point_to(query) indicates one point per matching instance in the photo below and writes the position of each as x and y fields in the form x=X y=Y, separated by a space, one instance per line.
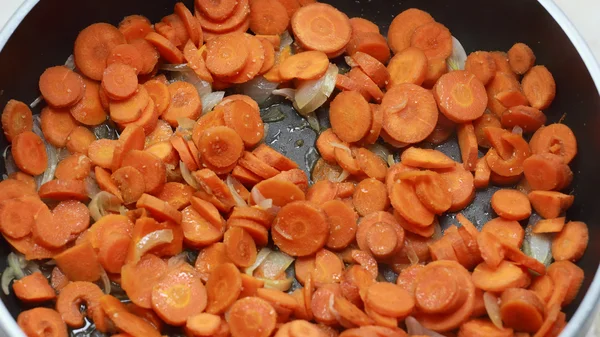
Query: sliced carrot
x=349 y=314
x=126 y=54
x=511 y=204
x=38 y=321
x=304 y=66
x=300 y=222
x=380 y=234
x=16 y=118
x=407 y=66
x=268 y=17
x=189 y=21
x=106 y=183
x=92 y=47
x=257 y=166
x=425 y=158
x=137 y=279
x=217 y=11
x=159 y=92
x=320 y=301
x=321 y=192
x=245 y=120
x=240 y=247
x=24 y=178
x=323 y=144
x=165 y=152
x=501 y=82
x=132 y=138
x=521 y=310
x=130 y=182
x=69 y=91
x=549 y=225
x=502 y=64
x=508 y=231
x=220 y=147
x=372 y=67
x=233 y=21
x=575 y=280
x=434 y=39
x=361 y=25
x=528 y=118
x=63 y=190
x=491 y=249
x=252 y=316
x=366 y=86
x=79 y=140
x=148 y=119
x=331 y=37
x=370 y=196
x=371 y=43
x=521 y=58
x=159 y=209
x=403 y=27
x=513 y=166
x=571 y=242
x=151 y=167
x=29 y=153
x=226 y=55
x=460 y=185
x=176 y=194
x=409 y=120
x=165 y=47
x=481 y=123
x=119 y=81
x=507 y=275
x=135 y=27
x=203 y=324
x=33 y=288
x=389 y=299
x=328 y=268
x=150 y=54
x=547 y=171
x=483 y=327
x=79 y=263
x=460 y=96
x=539 y=87
x=57 y=124
x=185 y=103
x=130 y=109
x=482 y=65
x=550 y=204
x=557 y=139
x=210 y=258
x=435 y=69
x=511 y=98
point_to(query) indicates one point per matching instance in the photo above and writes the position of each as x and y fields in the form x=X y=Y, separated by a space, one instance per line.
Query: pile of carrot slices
x=361 y=237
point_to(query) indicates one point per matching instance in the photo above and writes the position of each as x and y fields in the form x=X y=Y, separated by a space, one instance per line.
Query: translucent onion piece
x=350 y=61
x=286 y=40
x=70 y=62
x=493 y=308
x=106 y=286
x=517 y=130
x=265 y=133
x=340 y=146
x=236 y=196
x=260 y=257
x=282 y=285
x=313 y=121
x=380 y=150
x=174 y=67
x=390 y=160
x=187 y=176
x=437 y=230
x=185 y=123
x=287 y=93
x=150 y=241
x=9 y=163
x=91 y=186
x=457 y=59
x=8 y=275
x=343 y=176
x=209 y=101
x=275 y=264
x=203 y=87
x=538 y=246
x=262 y=202
x=311 y=94
x=63 y=152
x=51 y=169
x=102 y=204
x=411 y=254
x=36 y=102
x=17 y=262
x=413 y=327
x=259 y=89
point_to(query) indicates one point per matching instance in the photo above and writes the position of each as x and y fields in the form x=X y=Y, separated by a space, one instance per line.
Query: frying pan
x=41 y=35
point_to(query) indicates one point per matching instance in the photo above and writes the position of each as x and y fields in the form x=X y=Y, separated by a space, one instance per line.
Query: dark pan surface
x=45 y=38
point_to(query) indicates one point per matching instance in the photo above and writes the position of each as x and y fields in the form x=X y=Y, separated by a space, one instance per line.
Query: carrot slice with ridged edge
x=321 y=27
x=92 y=47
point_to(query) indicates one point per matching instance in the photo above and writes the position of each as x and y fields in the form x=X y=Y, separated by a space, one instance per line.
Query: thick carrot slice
x=92 y=47
x=257 y=166
x=435 y=69
x=483 y=122
x=159 y=92
x=159 y=209
x=437 y=291
x=29 y=153
x=433 y=192
x=185 y=103
x=389 y=299
x=240 y=247
x=467 y=141
x=216 y=10
x=137 y=279
x=408 y=66
x=376 y=224
x=273 y=158
x=135 y=27
x=500 y=83
x=528 y=118
x=57 y=124
x=245 y=120
x=24 y=178
x=371 y=164
x=119 y=81
x=79 y=140
x=220 y=147
x=372 y=67
x=268 y=17
x=252 y=317
x=507 y=275
x=300 y=228
x=376 y=124
x=151 y=167
x=126 y=54
x=370 y=196
x=130 y=182
x=236 y=18
x=17 y=216
x=547 y=171
x=403 y=26
x=460 y=96
x=332 y=36
x=350 y=116
x=132 y=138
x=361 y=25
x=371 y=43
x=511 y=204
x=63 y=190
x=61 y=87
x=226 y=55
x=179 y=295
x=165 y=47
x=16 y=118
x=189 y=21
x=342 y=223
x=539 y=87
x=323 y=144
x=490 y=248
x=320 y=300
x=148 y=119
x=105 y=182
x=571 y=242
x=38 y=321
x=482 y=65
x=203 y=324
x=165 y=152
x=176 y=194
x=513 y=166
x=426 y=158
x=367 y=87
x=321 y=192
x=409 y=120
x=508 y=231
x=149 y=53
x=434 y=39
x=460 y=185
x=130 y=109
x=550 y=204
x=521 y=310
x=483 y=327
x=557 y=139
x=511 y=98
x=33 y=288
x=575 y=280
x=549 y=225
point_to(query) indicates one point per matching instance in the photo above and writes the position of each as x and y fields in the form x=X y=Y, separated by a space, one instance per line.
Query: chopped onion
x=187 y=176
x=390 y=160
x=437 y=230
x=411 y=254
x=458 y=58
x=275 y=264
x=380 y=150
x=259 y=89
x=286 y=40
x=517 y=130
x=36 y=102
x=9 y=162
x=493 y=308
x=287 y=93
x=261 y=202
x=311 y=94
x=313 y=121
x=341 y=146
x=70 y=62
x=103 y=203
x=17 y=262
x=343 y=176
x=51 y=169
x=209 y=101
x=174 y=67
x=8 y=275
x=177 y=260
x=350 y=61
x=91 y=186
x=185 y=123
x=260 y=257
x=281 y=285
x=150 y=241
x=236 y=196
x=538 y=246
x=106 y=287
x=413 y=327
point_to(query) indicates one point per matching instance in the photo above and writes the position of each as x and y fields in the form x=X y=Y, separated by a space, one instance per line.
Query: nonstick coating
x=46 y=35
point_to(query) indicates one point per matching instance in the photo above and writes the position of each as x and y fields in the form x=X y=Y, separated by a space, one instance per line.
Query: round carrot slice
x=403 y=27
x=557 y=139
x=226 y=55
x=508 y=231
x=130 y=109
x=185 y=103
x=433 y=193
x=119 y=81
x=251 y=317
x=409 y=113
x=483 y=327
x=135 y=27
x=40 y=320
x=216 y=10
x=179 y=294
x=408 y=66
x=522 y=310
x=434 y=39
x=461 y=185
x=371 y=164
x=373 y=219
x=571 y=242
x=460 y=96
x=89 y=109
x=405 y=200
x=281 y=192
x=223 y=288
x=437 y=290
x=371 y=43
x=220 y=146
x=511 y=204
x=245 y=120
x=16 y=118
x=236 y=19
x=130 y=182
x=93 y=46
x=255 y=61
x=342 y=224
x=370 y=196
x=29 y=153
x=192 y=25
x=61 y=87
x=126 y=54
x=17 y=216
x=307 y=65
x=240 y=247
x=322 y=27
x=300 y=228
x=350 y=116
x=268 y=17
x=149 y=53
x=482 y=65
x=507 y=275
x=389 y=299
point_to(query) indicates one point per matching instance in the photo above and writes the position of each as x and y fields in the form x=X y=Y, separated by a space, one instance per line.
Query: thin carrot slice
x=185 y=103
x=92 y=47
x=371 y=43
x=216 y=11
x=467 y=141
x=166 y=49
x=252 y=317
x=17 y=216
x=460 y=96
x=57 y=124
x=245 y=120
x=481 y=123
x=434 y=39
x=329 y=40
x=366 y=84
x=557 y=139
x=203 y=324
x=403 y=27
x=79 y=140
x=126 y=54
x=236 y=18
x=220 y=146
x=33 y=288
x=137 y=279
x=511 y=204
x=549 y=225
x=38 y=321
x=63 y=190
x=256 y=166
x=159 y=92
x=300 y=228
x=176 y=194
x=370 y=196
x=189 y=21
x=528 y=118
x=274 y=158
x=482 y=65
x=575 y=278
x=149 y=53
x=323 y=144
x=409 y=120
x=426 y=158
x=508 y=231
x=483 y=327
x=550 y=204
x=407 y=66
x=571 y=242
x=130 y=182
x=501 y=82
x=135 y=27
x=130 y=109
x=119 y=81
x=511 y=98
x=151 y=167
x=372 y=67
x=507 y=275
x=521 y=310
x=240 y=247
x=376 y=124
x=268 y=17
x=539 y=87
x=547 y=171
x=405 y=201
x=76 y=294
x=512 y=166
x=29 y=153
x=226 y=55
x=159 y=209
x=375 y=224
x=304 y=66
x=16 y=118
